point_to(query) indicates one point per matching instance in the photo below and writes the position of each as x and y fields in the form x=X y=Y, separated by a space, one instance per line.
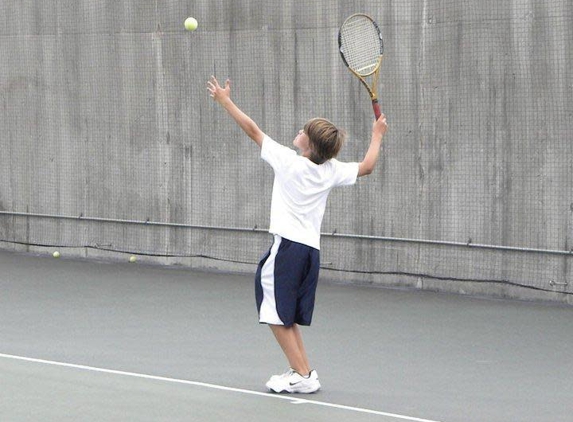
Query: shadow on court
x=123 y=341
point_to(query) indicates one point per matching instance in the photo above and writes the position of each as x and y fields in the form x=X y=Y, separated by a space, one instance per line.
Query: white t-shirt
x=300 y=191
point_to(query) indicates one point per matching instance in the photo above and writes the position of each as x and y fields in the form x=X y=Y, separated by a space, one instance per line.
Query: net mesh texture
x=109 y=139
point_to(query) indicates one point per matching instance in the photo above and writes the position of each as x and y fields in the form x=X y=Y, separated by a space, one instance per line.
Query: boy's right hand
x=217 y=92
x=378 y=130
x=380 y=126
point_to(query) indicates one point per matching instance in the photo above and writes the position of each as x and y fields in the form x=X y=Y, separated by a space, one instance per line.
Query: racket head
x=361 y=45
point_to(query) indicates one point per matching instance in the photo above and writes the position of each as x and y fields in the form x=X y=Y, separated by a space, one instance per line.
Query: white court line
x=292 y=399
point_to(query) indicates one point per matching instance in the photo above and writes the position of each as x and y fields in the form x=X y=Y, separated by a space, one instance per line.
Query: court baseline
x=292 y=399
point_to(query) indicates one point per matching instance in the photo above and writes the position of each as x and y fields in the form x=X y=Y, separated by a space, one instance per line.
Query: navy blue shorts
x=285 y=284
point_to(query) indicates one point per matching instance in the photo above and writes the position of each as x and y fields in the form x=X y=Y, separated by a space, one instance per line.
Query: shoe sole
x=308 y=390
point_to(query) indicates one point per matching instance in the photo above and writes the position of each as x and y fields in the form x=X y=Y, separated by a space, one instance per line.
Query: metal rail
x=256 y=229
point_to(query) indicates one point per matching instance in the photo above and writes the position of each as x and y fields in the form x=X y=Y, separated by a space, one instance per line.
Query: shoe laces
x=288 y=373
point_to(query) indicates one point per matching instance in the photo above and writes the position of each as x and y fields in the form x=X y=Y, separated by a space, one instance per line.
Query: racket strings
x=361 y=45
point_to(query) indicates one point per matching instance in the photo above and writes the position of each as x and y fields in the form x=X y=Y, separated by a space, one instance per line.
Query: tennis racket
x=361 y=48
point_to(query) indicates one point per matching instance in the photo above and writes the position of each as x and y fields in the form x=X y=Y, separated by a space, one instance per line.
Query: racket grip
x=376 y=108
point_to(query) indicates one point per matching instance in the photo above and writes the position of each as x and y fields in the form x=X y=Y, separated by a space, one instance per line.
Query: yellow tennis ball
x=132 y=259
x=191 y=24
x=56 y=254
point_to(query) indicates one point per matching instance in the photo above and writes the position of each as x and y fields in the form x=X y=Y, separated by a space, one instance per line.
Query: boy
x=287 y=275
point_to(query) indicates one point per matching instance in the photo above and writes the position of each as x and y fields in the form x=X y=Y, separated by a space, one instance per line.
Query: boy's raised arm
x=223 y=97
x=371 y=158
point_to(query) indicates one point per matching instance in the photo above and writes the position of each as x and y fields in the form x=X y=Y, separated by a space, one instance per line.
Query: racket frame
x=373 y=87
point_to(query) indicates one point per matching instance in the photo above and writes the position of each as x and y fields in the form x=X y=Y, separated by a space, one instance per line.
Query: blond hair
x=325 y=139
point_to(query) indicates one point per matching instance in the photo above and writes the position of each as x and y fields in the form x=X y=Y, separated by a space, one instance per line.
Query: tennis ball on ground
x=191 y=24
x=132 y=259
x=56 y=254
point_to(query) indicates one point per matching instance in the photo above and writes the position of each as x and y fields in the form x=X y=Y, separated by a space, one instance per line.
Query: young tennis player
x=287 y=275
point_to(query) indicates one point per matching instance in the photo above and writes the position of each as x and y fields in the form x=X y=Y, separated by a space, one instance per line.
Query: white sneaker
x=286 y=374
x=293 y=382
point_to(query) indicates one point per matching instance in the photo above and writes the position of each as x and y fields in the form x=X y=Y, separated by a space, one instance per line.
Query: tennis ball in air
x=191 y=24
x=132 y=259
x=56 y=254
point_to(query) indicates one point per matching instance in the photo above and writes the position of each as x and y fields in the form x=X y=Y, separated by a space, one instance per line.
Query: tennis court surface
x=85 y=341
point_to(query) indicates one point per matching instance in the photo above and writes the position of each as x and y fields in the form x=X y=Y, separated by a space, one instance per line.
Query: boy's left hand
x=217 y=92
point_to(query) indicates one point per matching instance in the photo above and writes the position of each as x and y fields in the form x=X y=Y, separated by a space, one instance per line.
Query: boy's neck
x=306 y=153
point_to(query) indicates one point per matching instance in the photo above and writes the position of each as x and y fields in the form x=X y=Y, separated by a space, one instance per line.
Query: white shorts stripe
x=268 y=313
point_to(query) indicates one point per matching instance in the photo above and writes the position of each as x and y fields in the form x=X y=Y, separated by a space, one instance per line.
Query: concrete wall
x=104 y=113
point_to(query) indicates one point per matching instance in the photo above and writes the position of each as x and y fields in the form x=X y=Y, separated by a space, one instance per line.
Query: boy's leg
x=301 y=347
x=290 y=340
x=300 y=379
